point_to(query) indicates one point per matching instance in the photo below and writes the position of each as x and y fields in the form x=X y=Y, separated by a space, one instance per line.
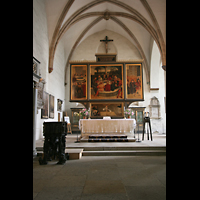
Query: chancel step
x=126 y=153
x=122 y=148
x=107 y=138
x=118 y=151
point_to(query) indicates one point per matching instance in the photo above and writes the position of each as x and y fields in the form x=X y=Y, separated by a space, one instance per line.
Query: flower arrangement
x=76 y=114
x=84 y=112
x=129 y=112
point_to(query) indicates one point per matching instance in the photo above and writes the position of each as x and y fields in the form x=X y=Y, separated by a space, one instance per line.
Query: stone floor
x=101 y=178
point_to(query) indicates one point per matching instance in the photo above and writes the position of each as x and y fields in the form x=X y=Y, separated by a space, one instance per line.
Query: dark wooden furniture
x=75 y=120
x=54 y=143
x=138 y=116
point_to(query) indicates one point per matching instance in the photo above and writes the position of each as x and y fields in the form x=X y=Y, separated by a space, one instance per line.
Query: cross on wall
x=106 y=43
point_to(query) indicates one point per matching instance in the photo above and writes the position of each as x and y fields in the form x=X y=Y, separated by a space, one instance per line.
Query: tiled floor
x=101 y=178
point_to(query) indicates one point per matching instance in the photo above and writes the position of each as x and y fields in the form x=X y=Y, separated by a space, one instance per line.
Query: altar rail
x=106 y=126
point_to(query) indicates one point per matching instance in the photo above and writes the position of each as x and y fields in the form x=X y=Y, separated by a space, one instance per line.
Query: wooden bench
x=74 y=153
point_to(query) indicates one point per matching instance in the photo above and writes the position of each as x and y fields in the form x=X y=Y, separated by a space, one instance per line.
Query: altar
x=107 y=126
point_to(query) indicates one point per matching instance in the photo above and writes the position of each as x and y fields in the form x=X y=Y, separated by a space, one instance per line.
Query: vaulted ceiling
x=140 y=21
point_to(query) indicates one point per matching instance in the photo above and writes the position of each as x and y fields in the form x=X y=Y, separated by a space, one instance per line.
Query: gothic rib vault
x=141 y=20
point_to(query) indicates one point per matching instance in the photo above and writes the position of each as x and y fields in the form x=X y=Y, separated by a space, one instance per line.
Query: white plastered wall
x=125 y=51
x=54 y=80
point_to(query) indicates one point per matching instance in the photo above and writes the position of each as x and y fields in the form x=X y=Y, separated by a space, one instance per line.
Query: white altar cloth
x=106 y=126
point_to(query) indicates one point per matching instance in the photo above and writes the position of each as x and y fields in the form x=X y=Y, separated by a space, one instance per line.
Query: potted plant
x=128 y=112
x=84 y=113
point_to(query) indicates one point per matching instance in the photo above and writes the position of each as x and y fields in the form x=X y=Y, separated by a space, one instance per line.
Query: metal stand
x=138 y=140
x=147 y=120
x=77 y=141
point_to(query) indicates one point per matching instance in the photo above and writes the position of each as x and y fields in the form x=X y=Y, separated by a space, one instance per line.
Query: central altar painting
x=106 y=81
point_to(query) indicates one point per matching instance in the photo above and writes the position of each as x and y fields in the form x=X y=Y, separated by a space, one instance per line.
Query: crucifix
x=106 y=42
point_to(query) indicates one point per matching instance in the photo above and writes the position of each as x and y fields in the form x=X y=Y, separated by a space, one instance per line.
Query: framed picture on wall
x=106 y=82
x=78 y=82
x=59 y=105
x=45 y=109
x=51 y=106
x=134 y=82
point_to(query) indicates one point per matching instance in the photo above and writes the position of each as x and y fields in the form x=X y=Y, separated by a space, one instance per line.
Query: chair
x=69 y=129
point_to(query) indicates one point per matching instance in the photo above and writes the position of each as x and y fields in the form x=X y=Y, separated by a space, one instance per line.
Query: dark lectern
x=54 y=143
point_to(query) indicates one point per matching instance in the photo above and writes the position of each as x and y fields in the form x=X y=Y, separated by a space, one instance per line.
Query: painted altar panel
x=78 y=82
x=106 y=82
x=134 y=80
x=95 y=82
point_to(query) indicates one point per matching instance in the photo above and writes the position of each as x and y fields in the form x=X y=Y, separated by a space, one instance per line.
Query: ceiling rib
x=74 y=18
x=56 y=30
x=78 y=40
x=125 y=28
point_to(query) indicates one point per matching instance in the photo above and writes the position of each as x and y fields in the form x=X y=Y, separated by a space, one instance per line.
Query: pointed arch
x=78 y=40
x=58 y=30
x=137 y=45
x=146 y=66
x=162 y=47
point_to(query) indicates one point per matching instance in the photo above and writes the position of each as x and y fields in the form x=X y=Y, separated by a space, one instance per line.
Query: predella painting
x=107 y=109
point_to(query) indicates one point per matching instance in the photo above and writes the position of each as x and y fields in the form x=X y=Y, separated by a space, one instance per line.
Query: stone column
x=34 y=116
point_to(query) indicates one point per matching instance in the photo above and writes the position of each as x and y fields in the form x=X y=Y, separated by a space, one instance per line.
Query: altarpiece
x=106 y=87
